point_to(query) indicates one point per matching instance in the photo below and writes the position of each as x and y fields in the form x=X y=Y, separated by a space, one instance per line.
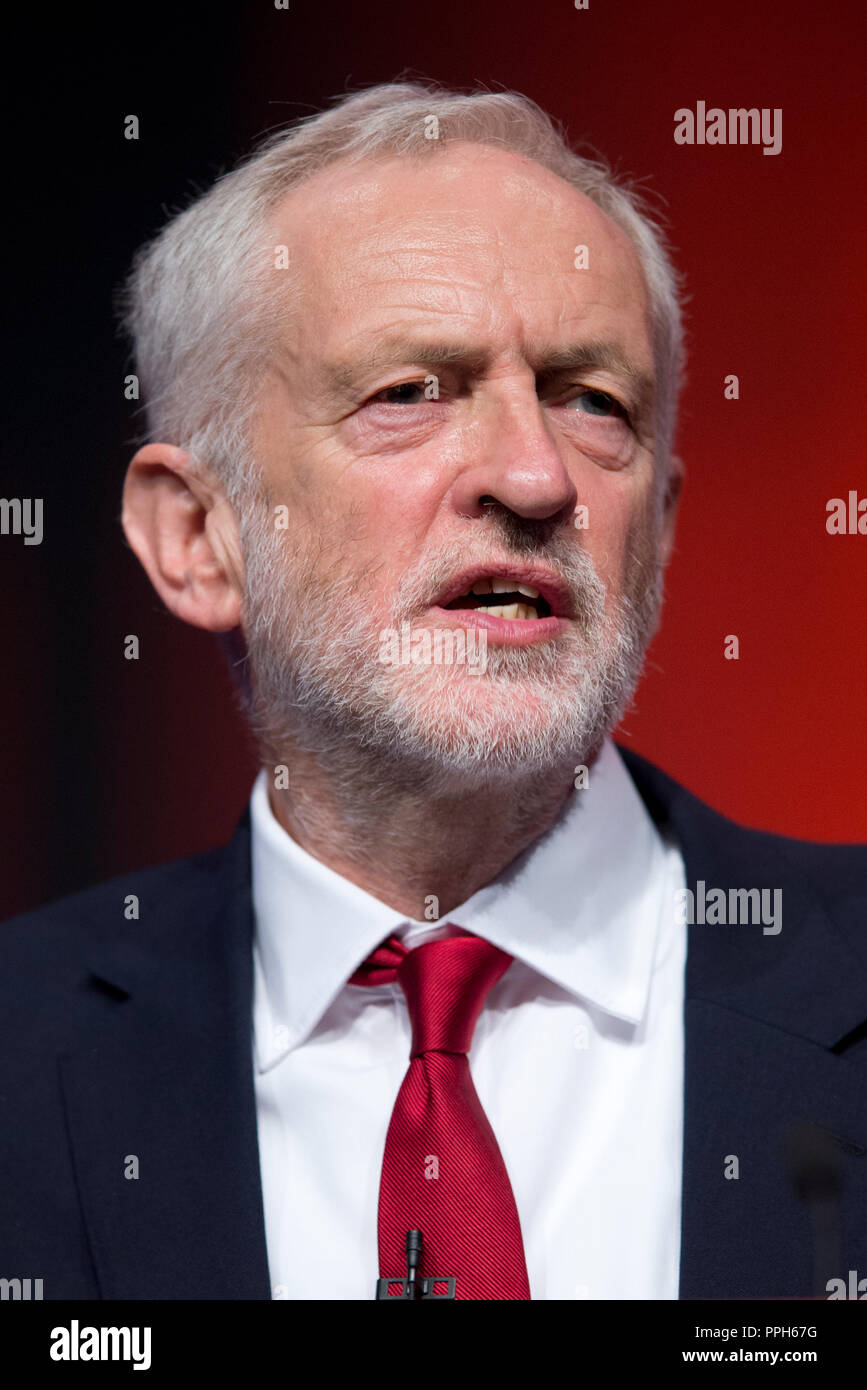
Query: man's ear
x=670 y=504
x=183 y=530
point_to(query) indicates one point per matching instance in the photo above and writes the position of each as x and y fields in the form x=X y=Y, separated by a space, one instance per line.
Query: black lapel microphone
x=412 y=1287
x=813 y=1161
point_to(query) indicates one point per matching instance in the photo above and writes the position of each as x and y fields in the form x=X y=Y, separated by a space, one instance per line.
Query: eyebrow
x=548 y=362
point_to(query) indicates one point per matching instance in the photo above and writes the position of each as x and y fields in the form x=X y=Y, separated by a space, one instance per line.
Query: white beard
x=317 y=681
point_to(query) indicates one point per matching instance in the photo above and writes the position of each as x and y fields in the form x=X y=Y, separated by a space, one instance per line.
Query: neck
x=421 y=843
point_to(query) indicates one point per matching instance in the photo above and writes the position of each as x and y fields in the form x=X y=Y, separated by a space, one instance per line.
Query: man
x=466 y=970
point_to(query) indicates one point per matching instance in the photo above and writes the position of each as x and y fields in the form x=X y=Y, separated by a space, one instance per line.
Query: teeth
x=503 y=586
x=522 y=611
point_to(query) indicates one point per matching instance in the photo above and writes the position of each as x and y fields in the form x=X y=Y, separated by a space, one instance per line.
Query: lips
x=511 y=592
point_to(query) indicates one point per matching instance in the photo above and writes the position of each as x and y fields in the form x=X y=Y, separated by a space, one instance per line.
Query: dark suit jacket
x=122 y=1037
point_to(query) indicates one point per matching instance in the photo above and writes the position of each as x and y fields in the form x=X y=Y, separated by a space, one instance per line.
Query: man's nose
x=514 y=459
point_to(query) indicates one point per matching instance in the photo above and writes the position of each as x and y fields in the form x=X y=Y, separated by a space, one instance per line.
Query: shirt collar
x=581 y=906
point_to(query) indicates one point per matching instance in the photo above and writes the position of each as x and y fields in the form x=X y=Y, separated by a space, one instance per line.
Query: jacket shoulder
x=62 y=932
x=836 y=869
x=666 y=798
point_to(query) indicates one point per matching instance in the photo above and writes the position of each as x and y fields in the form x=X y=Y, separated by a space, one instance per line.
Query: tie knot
x=445 y=983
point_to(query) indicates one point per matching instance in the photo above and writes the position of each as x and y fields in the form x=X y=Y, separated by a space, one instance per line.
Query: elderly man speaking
x=474 y=1005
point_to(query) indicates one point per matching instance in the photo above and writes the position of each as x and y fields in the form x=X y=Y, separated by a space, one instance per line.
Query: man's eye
x=591 y=402
x=405 y=393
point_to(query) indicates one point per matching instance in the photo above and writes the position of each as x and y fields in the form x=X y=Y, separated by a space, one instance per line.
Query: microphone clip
x=415 y=1287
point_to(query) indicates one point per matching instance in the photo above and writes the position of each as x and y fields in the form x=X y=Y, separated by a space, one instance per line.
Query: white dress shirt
x=577 y=1056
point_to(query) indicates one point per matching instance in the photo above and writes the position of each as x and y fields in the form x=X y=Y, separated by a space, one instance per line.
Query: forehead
x=466 y=235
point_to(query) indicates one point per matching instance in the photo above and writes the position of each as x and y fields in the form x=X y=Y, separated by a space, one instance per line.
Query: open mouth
x=513 y=593
x=504 y=598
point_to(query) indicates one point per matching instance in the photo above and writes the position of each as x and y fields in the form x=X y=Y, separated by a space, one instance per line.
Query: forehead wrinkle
x=408 y=198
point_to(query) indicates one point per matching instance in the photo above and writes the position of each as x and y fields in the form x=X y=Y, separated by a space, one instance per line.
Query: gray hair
x=199 y=302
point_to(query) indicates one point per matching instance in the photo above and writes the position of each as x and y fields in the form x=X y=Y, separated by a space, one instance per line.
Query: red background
x=111 y=763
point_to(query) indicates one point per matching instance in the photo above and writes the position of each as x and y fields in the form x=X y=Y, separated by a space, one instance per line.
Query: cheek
x=613 y=510
x=389 y=506
x=367 y=527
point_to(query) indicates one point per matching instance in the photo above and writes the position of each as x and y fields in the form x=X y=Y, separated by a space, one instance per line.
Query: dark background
x=108 y=764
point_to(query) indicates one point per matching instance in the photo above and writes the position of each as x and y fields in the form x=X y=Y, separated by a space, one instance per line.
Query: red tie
x=442 y=1171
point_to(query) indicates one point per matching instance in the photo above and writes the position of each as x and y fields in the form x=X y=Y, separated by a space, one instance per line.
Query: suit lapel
x=762 y=1016
x=747 y=1087
x=165 y=1078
